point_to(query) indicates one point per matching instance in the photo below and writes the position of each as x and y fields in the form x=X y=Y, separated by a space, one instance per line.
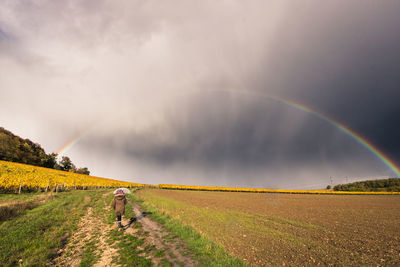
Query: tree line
x=382 y=185
x=16 y=149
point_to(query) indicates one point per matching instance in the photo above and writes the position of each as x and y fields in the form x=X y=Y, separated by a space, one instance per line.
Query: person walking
x=118 y=205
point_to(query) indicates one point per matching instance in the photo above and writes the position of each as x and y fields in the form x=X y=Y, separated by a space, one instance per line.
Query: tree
x=83 y=171
x=73 y=168
x=16 y=149
x=65 y=163
x=328 y=187
x=58 y=167
x=49 y=161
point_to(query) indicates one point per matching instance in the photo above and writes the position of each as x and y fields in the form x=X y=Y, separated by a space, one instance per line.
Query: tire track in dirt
x=91 y=227
x=72 y=253
x=108 y=252
x=174 y=249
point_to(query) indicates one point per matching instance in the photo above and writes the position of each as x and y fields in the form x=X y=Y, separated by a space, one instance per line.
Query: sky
x=200 y=92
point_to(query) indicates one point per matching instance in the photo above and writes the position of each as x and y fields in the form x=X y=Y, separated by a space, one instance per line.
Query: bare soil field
x=290 y=229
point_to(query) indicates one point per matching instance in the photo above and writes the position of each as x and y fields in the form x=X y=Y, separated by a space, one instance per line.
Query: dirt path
x=95 y=244
x=72 y=253
x=92 y=229
x=172 y=248
x=108 y=252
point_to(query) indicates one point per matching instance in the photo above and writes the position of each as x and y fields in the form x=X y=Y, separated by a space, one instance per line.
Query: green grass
x=24 y=196
x=165 y=263
x=265 y=225
x=159 y=253
x=128 y=249
x=89 y=256
x=129 y=210
x=37 y=235
x=207 y=253
x=11 y=210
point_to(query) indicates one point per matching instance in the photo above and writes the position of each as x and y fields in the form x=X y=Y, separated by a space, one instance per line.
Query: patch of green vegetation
x=37 y=235
x=24 y=196
x=382 y=185
x=274 y=227
x=173 y=256
x=267 y=225
x=89 y=256
x=206 y=252
x=148 y=249
x=12 y=210
x=286 y=221
x=165 y=263
x=159 y=253
x=129 y=210
x=128 y=249
x=180 y=263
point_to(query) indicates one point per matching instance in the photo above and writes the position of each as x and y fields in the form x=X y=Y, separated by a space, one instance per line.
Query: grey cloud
x=157 y=82
x=12 y=50
x=222 y=129
x=342 y=61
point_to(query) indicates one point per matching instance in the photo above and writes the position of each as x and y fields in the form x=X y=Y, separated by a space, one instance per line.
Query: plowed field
x=286 y=229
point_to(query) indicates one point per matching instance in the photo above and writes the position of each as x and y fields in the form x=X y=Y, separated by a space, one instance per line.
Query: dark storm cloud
x=344 y=62
x=163 y=87
x=221 y=129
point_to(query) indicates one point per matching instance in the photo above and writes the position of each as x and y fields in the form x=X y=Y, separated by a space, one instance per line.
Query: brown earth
x=285 y=229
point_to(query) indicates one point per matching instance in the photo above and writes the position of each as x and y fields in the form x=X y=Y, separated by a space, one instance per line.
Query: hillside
x=382 y=185
x=16 y=176
x=16 y=149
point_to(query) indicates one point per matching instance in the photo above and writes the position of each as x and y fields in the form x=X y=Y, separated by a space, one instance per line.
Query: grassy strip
x=16 y=209
x=25 y=197
x=90 y=255
x=252 y=223
x=36 y=236
x=128 y=249
x=207 y=252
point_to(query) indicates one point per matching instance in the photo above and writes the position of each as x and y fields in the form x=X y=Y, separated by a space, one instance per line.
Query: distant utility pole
x=347 y=179
x=330 y=177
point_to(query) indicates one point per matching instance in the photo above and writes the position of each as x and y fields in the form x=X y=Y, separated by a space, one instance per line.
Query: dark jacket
x=118 y=204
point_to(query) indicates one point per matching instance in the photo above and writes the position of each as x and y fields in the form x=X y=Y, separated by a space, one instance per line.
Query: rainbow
x=361 y=140
x=72 y=142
